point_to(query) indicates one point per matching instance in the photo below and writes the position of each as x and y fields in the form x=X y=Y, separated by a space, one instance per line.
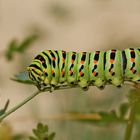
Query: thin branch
x=19 y=105
x=31 y=97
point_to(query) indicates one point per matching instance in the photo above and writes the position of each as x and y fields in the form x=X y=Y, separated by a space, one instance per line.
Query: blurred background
x=82 y=25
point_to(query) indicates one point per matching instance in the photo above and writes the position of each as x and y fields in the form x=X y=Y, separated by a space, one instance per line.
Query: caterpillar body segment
x=83 y=70
x=132 y=69
x=113 y=67
x=96 y=69
x=52 y=67
x=62 y=63
x=45 y=66
x=71 y=71
x=54 y=74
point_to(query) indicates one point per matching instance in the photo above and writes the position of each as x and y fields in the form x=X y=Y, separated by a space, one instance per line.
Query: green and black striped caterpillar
x=52 y=67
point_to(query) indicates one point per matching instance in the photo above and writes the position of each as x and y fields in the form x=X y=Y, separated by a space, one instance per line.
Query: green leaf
x=15 y=46
x=11 y=49
x=41 y=133
x=27 y=42
x=22 y=77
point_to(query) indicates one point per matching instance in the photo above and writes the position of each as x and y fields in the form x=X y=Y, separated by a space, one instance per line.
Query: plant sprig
x=4 y=109
x=41 y=133
x=16 y=47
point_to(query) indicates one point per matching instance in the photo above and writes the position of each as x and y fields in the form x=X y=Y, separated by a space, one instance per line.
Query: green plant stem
x=19 y=105
x=131 y=119
x=29 y=98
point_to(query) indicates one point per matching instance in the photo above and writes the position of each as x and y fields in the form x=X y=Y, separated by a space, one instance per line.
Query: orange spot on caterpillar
x=71 y=72
x=94 y=73
x=132 y=59
x=81 y=73
x=95 y=61
x=111 y=61
x=63 y=60
x=53 y=58
x=82 y=62
x=63 y=72
x=53 y=71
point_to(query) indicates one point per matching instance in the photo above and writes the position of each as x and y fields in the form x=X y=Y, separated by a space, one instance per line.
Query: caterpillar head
x=35 y=74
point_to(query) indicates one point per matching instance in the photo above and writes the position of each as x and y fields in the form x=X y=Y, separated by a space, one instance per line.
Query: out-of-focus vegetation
x=59 y=11
x=16 y=47
x=5 y=132
x=40 y=133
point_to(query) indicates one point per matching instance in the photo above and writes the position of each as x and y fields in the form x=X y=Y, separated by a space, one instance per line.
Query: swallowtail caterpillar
x=53 y=67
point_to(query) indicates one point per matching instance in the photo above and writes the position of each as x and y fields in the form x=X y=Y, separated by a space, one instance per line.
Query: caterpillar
x=53 y=67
